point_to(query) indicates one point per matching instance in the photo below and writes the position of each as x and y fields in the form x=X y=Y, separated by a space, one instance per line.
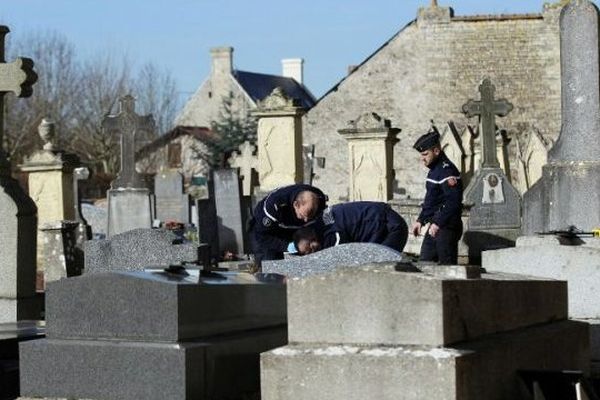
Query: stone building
x=245 y=88
x=427 y=71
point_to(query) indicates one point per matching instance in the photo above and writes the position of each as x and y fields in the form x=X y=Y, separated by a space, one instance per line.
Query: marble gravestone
x=129 y=202
x=154 y=336
x=325 y=261
x=376 y=332
x=228 y=204
x=495 y=204
x=17 y=209
x=568 y=192
x=172 y=204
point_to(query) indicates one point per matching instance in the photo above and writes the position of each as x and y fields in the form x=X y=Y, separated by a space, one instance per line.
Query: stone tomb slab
x=156 y=306
x=483 y=369
x=217 y=368
x=375 y=304
x=137 y=249
x=327 y=260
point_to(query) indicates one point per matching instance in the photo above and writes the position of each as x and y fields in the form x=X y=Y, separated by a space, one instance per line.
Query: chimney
x=222 y=60
x=292 y=68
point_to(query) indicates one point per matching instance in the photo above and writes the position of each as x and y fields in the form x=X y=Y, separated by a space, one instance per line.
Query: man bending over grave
x=442 y=207
x=355 y=222
x=279 y=215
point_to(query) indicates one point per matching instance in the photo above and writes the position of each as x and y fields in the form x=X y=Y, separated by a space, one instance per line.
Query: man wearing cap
x=442 y=207
x=279 y=215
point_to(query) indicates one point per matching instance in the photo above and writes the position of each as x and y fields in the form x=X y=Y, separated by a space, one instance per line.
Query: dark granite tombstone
x=129 y=203
x=228 y=204
x=495 y=204
x=153 y=335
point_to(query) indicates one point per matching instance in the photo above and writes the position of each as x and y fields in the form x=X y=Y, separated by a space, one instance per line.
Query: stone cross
x=17 y=77
x=128 y=124
x=246 y=161
x=487 y=109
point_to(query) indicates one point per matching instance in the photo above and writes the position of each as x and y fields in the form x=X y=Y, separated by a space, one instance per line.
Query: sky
x=176 y=35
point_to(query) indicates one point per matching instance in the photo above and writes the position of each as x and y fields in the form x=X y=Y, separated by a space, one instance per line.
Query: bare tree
x=156 y=93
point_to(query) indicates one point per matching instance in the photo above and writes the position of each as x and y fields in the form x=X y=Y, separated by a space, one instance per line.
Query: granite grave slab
x=348 y=255
x=136 y=250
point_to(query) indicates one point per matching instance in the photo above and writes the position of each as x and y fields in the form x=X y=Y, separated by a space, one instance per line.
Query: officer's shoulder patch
x=452 y=181
x=445 y=164
x=267 y=221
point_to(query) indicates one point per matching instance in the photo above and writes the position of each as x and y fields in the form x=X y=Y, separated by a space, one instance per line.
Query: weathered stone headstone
x=377 y=332
x=247 y=163
x=371 y=141
x=129 y=203
x=228 y=203
x=279 y=134
x=567 y=194
x=137 y=249
x=50 y=182
x=62 y=257
x=349 y=255
x=495 y=204
x=172 y=204
x=17 y=210
x=153 y=335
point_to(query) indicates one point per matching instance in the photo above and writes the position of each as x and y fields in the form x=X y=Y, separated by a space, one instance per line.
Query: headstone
x=129 y=203
x=378 y=332
x=17 y=210
x=84 y=230
x=172 y=204
x=247 y=163
x=495 y=204
x=311 y=162
x=279 y=134
x=567 y=194
x=207 y=223
x=50 y=179
x=371 y=140
x=97 y=218
x=60 y=250
x=154 y=335
x=350 y=255
x=228 y=204
x=137 y=249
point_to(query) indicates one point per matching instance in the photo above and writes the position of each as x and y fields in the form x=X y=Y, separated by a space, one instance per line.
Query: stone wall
x=428 y=71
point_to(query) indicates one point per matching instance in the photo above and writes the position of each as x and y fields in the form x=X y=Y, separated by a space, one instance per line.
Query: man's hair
x=304 y=196
x=306 y=233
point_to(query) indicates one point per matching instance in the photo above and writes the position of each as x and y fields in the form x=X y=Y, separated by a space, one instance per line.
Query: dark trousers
x=442 y=248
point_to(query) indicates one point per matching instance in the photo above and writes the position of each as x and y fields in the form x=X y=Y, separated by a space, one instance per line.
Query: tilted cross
x=246 y=161
x=487 y=109
x=17 y=77
x=127 y=123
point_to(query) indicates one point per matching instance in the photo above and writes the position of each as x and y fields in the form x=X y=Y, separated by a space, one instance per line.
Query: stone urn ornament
x=47 y=133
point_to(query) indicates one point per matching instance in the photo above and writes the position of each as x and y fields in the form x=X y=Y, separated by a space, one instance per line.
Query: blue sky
x=177 y=34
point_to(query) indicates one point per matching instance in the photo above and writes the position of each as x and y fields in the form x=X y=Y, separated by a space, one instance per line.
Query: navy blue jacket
x=443 y=200
x=275 y=219
x=355 y=222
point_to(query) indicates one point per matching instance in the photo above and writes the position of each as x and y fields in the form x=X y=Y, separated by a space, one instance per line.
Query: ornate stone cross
x=16 y=77
x=487 y=109
x=246 y=161
x=127 y=123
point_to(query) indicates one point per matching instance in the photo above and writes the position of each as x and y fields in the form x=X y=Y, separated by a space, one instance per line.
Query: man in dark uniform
x=279 y=215
x=442 y=207
x=361 y=221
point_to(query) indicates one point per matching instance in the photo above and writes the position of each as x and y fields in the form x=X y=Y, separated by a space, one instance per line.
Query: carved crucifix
x=128 y=124
x=246 y=161
x=487 y=109
x=16 y=77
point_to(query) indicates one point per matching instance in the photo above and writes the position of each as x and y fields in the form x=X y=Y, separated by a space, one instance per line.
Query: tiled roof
x=259 y=86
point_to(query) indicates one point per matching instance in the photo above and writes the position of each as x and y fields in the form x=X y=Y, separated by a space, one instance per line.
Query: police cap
x=427 y=141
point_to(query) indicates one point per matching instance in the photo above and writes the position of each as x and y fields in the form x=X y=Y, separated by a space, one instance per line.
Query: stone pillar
x=569 y=191
x=84 y=230
x=279 y=141
x=371 y=140
x=50 y=185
